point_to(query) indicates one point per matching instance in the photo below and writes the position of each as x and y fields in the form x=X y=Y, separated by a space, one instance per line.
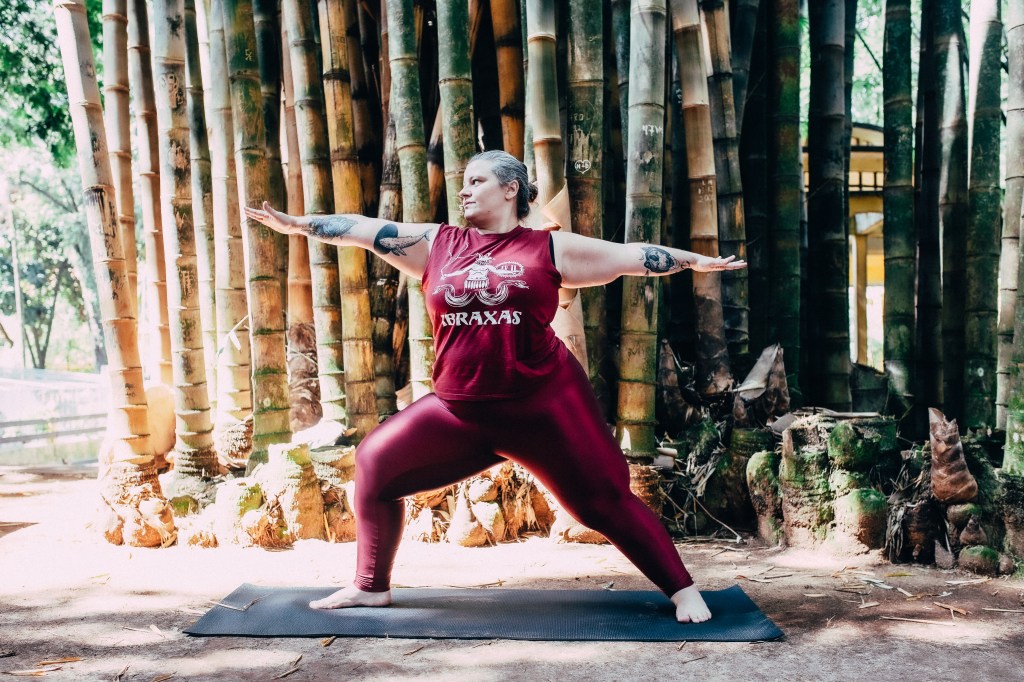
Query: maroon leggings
x=557 y=433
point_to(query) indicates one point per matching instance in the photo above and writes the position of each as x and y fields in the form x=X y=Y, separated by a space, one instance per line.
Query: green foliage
x=32 y=76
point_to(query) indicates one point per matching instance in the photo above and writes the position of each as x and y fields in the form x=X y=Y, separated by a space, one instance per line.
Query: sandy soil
x=66 y=593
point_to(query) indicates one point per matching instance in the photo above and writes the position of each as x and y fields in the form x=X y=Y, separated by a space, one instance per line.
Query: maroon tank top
x=491 y=299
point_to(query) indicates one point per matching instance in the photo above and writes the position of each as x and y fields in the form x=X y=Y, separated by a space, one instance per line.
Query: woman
x=506 y=387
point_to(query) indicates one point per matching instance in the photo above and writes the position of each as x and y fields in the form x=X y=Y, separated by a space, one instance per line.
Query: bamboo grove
x=663 y=121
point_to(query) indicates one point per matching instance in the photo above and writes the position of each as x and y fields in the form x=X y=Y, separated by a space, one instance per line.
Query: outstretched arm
x=584 y=261
x=404 y=245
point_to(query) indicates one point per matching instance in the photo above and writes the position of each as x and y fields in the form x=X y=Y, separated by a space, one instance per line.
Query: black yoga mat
x=553 y=615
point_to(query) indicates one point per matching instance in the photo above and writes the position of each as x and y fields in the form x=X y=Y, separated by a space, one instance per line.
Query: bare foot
x=690 y=606
x=352 y=596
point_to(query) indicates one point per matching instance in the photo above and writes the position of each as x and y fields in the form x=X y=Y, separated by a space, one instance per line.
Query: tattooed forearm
x=660 y=262
x=329 y=228
x=387 y=240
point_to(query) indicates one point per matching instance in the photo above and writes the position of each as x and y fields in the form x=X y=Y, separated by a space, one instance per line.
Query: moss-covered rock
x=1012 y=512
x=957 y=515
x=979 y=559
x=853 y=449
x=765 y=494
x=806 y=496
x=1013 y=452
x=860 y=519
x=235 y=498
x=842 y=482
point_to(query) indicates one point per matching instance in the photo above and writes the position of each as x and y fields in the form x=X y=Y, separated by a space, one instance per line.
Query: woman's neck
x=497 y=226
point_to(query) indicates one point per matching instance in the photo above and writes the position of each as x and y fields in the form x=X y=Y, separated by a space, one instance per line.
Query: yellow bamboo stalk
x=508 y=45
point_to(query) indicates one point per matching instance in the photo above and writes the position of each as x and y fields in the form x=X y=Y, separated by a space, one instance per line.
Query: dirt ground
x=66 y=593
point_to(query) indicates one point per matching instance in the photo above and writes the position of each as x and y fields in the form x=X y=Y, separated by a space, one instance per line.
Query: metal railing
x=52 y=428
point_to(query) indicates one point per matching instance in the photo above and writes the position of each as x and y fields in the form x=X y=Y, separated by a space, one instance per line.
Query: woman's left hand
x=710 y=264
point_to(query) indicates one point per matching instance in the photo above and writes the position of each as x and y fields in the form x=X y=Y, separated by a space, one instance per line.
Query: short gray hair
x=508 y=168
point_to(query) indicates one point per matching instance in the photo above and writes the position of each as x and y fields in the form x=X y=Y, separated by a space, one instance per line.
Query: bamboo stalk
x=234 y=363
x=511 y=82
x=528 y=161
x=898 y=204
x=118 y=126
x=949 y=76
x=984 y=208
x=744 y=28
x=193 y=448
x=638 y=349
x=202 y=193
x=357 y=347
x=542 y=101
x=729 y=183
x=456 y=100
x=755 y=169
x=405 y=107
x=384 y=279
x=621 y=34
x=128 y=417
x=266 y=314
x=828 y=261
x=365 y=133
x=140 y=74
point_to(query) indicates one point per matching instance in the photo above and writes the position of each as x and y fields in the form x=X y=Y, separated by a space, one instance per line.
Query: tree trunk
x=729 y=184
x=787 y=183
x=828 y=245
x=456 y=99
x=202 y=193
x=194 y=457
x=755 y=170
x=405 y=107
x=984 y=206
x=511 y=88
x=585 y=167
x=140 y=73
x=268 y=51
x=744 y=28
x=357 y=347
x=266 y=314
x=713 y=373
x=929 y=266
x=949 y=77
x=639 y=340
x=898 y=205
x=118 y=124
x=128 y=422
x=318 y=194
x=234 y=382
x=1009 y=253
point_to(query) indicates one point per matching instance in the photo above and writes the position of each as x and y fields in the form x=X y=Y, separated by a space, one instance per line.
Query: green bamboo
x=713 y=371
x=511 y=82
x=318 y=195
x=266 y=313
x=384 y=281
x=929 y=265
x=194 y=454
x=140 y=75
x=787 y=184
x=365 y=132
x=234 y=363
x=585 y=168
x=202 y=193
x=456 y=100
x=729 y=184
x=268 y=52
x=984 y=208
x=118 y=125
x=1008 y=384
x=828 y=247
x=898 y=204
x=744 y=28
x=640 y=295
x=405 y=107
x=621 y=23
x=531 y=166
x=357 y=346
x=949 y=77
x=542 y=100
x=128 y=415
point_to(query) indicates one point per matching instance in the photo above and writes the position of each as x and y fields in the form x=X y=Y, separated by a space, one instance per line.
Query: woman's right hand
x=274 y=219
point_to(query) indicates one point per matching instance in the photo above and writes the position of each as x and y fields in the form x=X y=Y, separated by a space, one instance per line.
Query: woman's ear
x=512 y=189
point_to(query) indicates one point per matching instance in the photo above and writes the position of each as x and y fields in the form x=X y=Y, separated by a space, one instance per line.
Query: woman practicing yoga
x=506 y=388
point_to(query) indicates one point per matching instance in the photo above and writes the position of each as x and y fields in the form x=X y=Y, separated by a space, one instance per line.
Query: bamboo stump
x=766 y=495
x=135 y=512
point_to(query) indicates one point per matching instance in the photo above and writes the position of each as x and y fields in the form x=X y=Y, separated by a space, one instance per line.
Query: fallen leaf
x=327 y=641
x=410 y=653
x=920 y=620
x=157 y=630
x=1005 y=610
x=286 y=673
x=976 y=581
x=295 y=661
x=815 y=595
x=905 y=593
x=58 y=661
x=868 y=605
x=950 y=608
x=34 y=672
x=899 y=574
x=161 y=678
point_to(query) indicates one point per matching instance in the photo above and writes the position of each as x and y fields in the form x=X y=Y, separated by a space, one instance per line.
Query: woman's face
x=483 y=197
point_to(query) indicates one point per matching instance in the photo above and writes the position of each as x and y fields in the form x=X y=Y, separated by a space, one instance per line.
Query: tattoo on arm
x=328 y=228
x=387 y=240
x=660 y=261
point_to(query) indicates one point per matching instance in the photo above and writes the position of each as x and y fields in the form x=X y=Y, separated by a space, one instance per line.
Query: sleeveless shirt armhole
x=551 y=248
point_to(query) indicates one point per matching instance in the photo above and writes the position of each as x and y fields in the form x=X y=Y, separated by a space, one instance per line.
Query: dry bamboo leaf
x=6 y=654
x=295 y=661
x=869 y=604
x=815 y=595
x=951 y=608
x=161 y=678
x=58 y=661
x=157 y=630
x=194 y=612
x=35 y=672
x=327 y=641
x=920 y=620
x=692 y=660
x=1005 y=610
x=899 y=574
x=410 y=653
x=124 y=670
x=976 y=581
x=905 y=593
x=286 y=673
